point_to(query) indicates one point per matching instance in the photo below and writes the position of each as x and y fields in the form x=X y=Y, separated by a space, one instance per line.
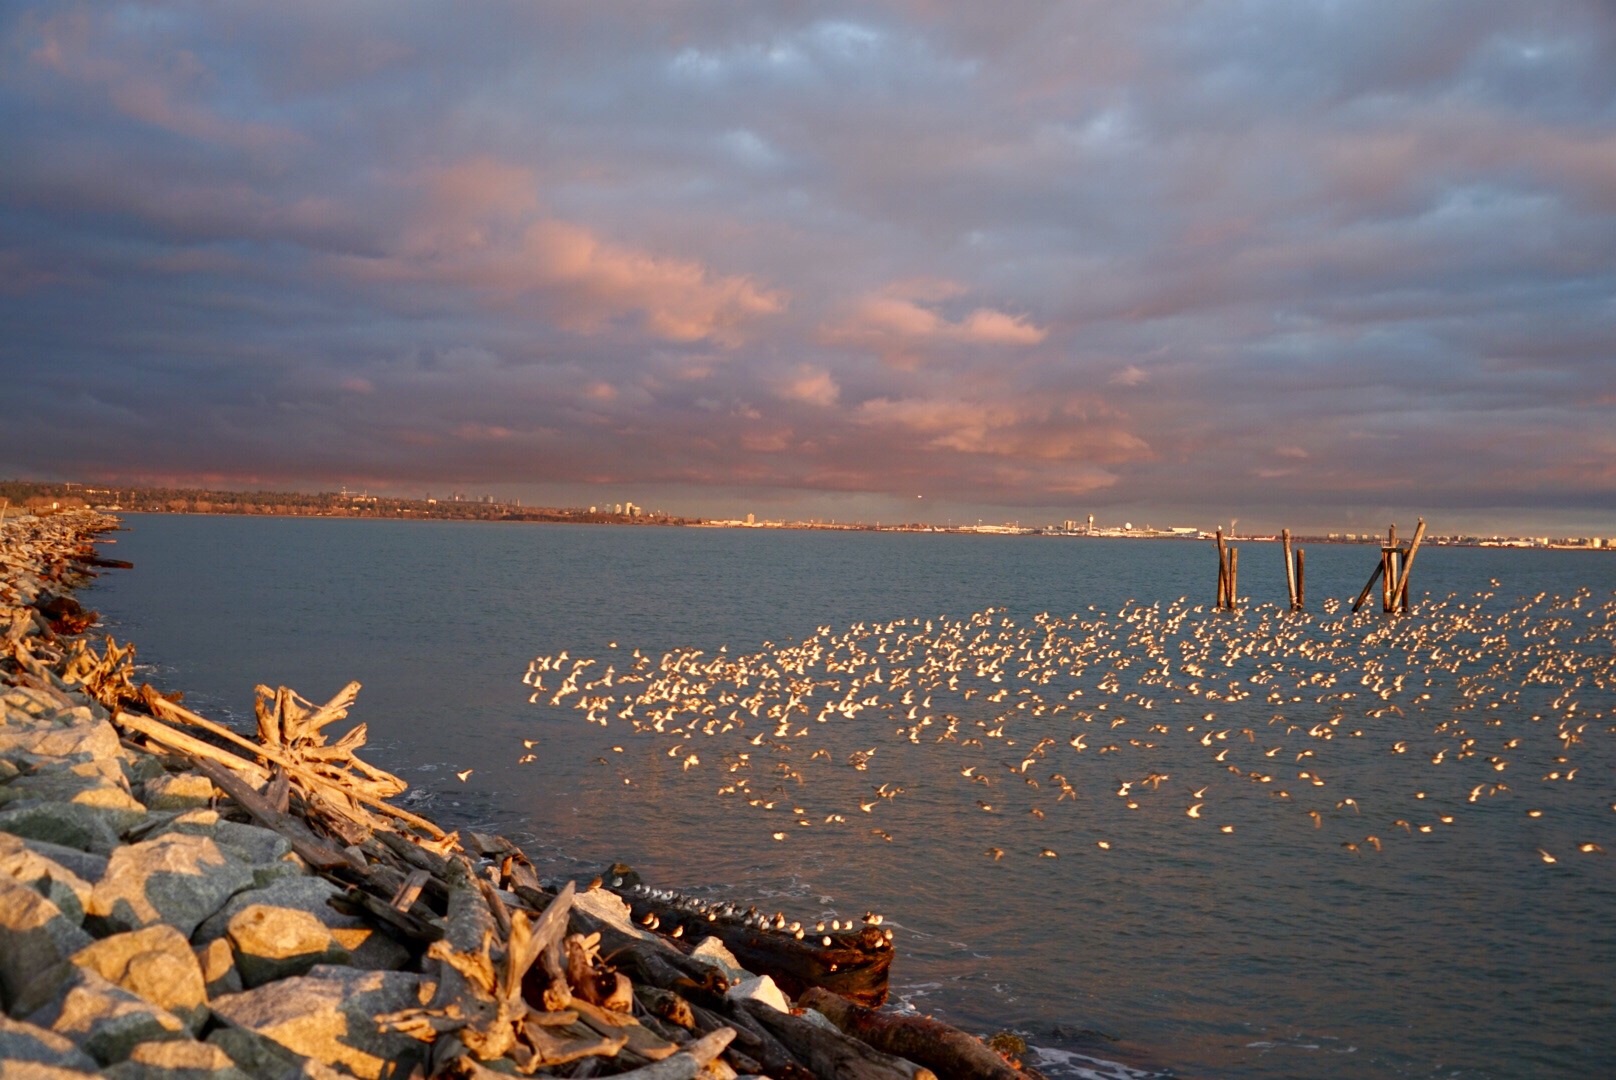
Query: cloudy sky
x=1320 y=263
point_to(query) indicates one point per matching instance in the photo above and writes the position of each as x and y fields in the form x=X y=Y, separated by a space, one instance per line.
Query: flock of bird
x=1386 y=729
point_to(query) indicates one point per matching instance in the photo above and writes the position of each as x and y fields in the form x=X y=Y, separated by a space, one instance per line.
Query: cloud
x=903 y=323
x=130 y=69
x=810 y=385
x=1139 y=253
x=479 y=226
x=1025 y=429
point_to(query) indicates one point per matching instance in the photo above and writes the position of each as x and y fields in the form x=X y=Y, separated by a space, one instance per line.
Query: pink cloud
x=677 y=299
x=901 y=323
x=483 y=432
x=167 y=90
x=767 y=442
x=480 y=225
x=810 y=385
x=1030 y=430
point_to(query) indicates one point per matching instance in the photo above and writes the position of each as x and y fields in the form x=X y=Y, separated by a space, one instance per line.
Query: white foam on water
x=1069 y=1063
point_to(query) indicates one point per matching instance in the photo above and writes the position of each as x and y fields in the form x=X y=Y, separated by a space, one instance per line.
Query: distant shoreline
x=21 y=495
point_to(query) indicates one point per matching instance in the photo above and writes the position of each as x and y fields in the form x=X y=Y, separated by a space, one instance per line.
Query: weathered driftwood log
x=333 y=776
x=479 y=997
x=107 y=677
x=857 y=969
x=854 y=964
x=828 y=1053
x=657 y=965
x=409 y=925
x=945 y=1050
x=105 y=563
x=319 y=853
x=253 y=775
x=753 y=1046
x=688 y=1063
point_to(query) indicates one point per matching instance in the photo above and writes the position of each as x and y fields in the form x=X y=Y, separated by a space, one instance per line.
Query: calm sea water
x=1248 y=941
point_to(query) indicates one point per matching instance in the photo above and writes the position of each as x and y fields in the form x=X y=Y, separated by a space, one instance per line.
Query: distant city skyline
x=1318 y=266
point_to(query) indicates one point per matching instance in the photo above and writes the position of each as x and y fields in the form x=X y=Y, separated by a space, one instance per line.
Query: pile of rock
x=168 y=908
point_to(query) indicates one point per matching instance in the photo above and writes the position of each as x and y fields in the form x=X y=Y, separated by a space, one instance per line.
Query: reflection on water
x=1363 y=889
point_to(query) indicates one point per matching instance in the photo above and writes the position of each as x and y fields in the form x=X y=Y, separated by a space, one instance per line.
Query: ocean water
x=1364 y=889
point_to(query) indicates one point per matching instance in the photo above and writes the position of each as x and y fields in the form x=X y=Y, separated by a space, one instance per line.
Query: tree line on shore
x=33 y=495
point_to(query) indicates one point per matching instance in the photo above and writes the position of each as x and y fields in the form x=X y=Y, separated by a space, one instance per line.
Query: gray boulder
x=218 y=963
x=22 y=1041
x=34 y=1070
x=63 y=887
x=278 y=942
x=329 y=1015
x=177 y=791
x=367 y=947
x=175 y=879
x=57 y=733
x=37 y=937
x=263 y=1058
x=139 y=768
x=104 y=1020
x=176 y=1059
x=70 y=824
x=74 y=784
x=265 y=850
x=86 y=864
x=155 y=964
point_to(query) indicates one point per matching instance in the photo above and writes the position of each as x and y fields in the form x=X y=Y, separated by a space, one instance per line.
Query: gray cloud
x=1274 y=260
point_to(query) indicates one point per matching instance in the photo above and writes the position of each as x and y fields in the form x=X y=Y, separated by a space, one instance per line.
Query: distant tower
x=1091 y=524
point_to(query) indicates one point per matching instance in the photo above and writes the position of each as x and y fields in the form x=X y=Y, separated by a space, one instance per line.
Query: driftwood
x=298 y=748
x=689 y=1062
x=945 y=1050
x=108 y=677
x=854 y=963
x=828 y=1053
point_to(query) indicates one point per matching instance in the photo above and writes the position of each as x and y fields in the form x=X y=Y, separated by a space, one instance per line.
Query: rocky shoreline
x=177 y=900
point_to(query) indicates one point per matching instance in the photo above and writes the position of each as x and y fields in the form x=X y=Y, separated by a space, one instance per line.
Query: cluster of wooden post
x=1396 y=563
x=1294 y=581
x=1393 y=572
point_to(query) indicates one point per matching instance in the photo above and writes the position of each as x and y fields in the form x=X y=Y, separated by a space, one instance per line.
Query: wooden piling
x=1301 y=590
x=1393 y=572
x=1234 y=578
x=1400 y=594
x=1290 y=567
x=1227 y=564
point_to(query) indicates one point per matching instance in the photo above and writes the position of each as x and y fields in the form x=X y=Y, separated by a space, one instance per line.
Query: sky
x=1324 y=264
